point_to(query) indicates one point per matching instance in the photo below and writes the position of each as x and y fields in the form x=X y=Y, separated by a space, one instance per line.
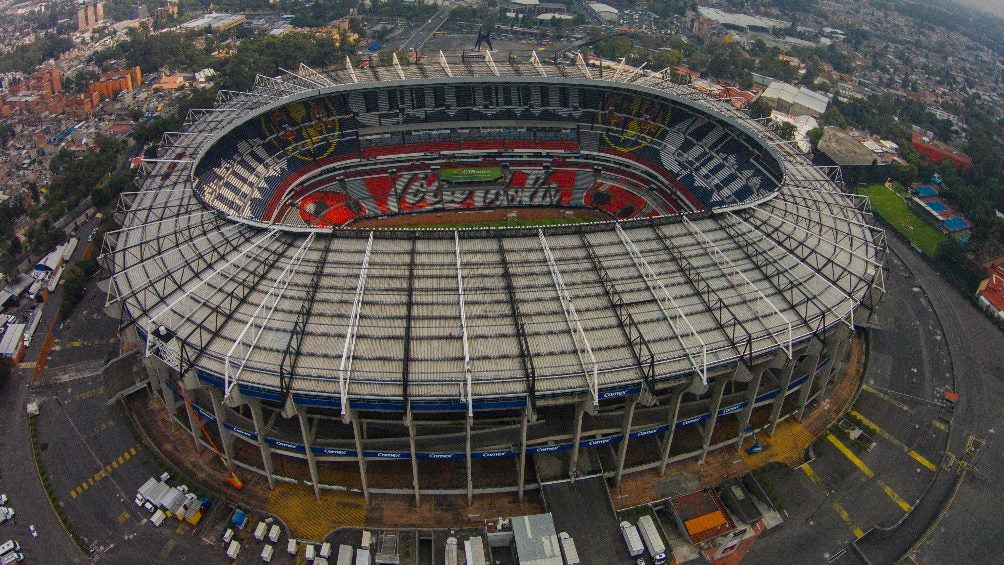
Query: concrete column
x=353 y=416
x=167 y=393
x=308 y=442
x=408 y=421
x=813 y=353
x=784 y=381
x=259 y=429
x=626 y=435
x=709 y=427
x=747 y=413
x=836 y=342
x=576 y=436
x=522 y=451
x=226 y=438
x=467 y=454
x=667 y=442
x=193 y=427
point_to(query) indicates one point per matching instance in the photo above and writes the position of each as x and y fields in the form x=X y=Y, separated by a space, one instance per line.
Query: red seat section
x=327 y=209
x=615 y=200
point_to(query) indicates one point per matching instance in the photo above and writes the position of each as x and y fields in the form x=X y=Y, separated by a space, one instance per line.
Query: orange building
x=113 y=82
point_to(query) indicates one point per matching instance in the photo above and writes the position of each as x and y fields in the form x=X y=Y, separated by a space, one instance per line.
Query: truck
x=234 y=550
x=158 y=517
x=9 y=546
x=291 y=546
x=451 y=551
x=266 y=553
x=632 y=539
x=259 y=531
x=6 y=513
x=325 y=550
x=12 y=557
x=363 y=556
x=568 y=549
x=273 y=533
x=653 y=539
x=345 y=554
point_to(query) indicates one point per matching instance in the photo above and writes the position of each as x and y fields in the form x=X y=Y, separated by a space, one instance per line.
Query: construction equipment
x=232 y=480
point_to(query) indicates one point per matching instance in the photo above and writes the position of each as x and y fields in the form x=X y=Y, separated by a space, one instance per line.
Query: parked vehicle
x=568 y=549
x=632 y=539
x=345 y=554
x=158 y=518
x=273 y=533
x=234 y=549
x=228 y=535
x=325 y=550
x=266 y=553
x=259 y=532
x=291 y=546
x=9 y=546
x=11 y=557
x=310 y=552
x=653 y=539
x=6 y=513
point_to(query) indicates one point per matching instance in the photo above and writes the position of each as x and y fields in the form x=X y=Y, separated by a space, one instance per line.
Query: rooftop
x=536 y=540
x=843 y=149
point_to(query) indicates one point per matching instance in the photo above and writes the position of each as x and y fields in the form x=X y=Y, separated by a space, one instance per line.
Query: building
x=89 y=14
x=795 y=100
x=112 y=82
x=938 y=152
x=857 y=163
x=720 y=524
x=604 y=12
x=536 y=540
x=990 y=293
x=216 y=22
x=466 y=353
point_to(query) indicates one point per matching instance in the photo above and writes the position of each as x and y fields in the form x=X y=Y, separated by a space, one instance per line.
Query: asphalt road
x=418 y=38
x=836 y=498
x=18 y=474
x=966 y=532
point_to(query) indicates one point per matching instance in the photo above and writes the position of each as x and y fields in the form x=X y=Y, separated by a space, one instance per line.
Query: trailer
x=345 y=554
x=632 y=539
x=568 y=549
x=451 y=551
x=653 y=539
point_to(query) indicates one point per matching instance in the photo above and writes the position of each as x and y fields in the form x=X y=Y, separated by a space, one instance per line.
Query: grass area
x=891 y=207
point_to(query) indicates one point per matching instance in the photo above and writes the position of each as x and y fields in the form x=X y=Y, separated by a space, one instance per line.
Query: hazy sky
x=995 y=7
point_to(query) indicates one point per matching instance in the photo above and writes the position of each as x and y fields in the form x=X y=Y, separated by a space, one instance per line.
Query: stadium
x=417 y=279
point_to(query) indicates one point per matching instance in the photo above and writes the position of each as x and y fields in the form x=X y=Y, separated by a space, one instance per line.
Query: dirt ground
x=485 y=218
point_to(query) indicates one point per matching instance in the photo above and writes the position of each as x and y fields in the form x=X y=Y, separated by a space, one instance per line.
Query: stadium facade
x=716 y=298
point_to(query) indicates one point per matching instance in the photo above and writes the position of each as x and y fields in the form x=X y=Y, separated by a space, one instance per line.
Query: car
x=139 y=500
x=34 y=532
x=149 y=507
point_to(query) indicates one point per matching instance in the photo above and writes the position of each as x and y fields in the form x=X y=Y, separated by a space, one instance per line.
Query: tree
x=759 y=109
x=786 y=130
x=814 y=135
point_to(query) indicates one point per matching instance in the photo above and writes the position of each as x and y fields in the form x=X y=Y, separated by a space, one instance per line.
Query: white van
x=273 y=533
x=259 y=532
x=228 y=535
x=309 y=552
x=291 y=546
x=266 y=553
x=325 y=550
